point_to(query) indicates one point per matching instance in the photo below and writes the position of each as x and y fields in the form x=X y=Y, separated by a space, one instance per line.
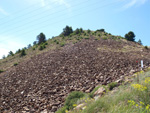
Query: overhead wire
x=29 y=12
x=20 y=11
x=44 y=26
x=47 y=19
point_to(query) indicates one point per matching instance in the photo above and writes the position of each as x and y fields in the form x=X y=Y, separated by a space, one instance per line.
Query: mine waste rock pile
x=42 y=83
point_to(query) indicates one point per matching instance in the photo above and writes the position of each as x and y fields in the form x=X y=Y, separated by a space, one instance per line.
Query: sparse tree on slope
x=140 y=42
x=67 y=31
x=130 y=36
x=23 y=53
x=10 y=53
x=41 y=38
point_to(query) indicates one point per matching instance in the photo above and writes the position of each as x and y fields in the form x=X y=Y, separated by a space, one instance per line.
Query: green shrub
x=73 y=98
x=101 y=30
x=15 y=64
x=62 y=44
x=112 y=85
x=62 y=110
x=1 y=71
x=45 y=43
x=146 y=47
x=18 y=51
x=33 y=48
x=88 y=31
x=42 y=47
x=105 y=38
x=23 y=53
x=86 y=37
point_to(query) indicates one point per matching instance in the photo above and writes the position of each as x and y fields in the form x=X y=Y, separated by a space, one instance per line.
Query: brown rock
x=100 y=91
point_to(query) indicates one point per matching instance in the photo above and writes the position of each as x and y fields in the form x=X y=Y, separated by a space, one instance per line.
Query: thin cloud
x=3 y=11
x=132 y=3
x=47 y=3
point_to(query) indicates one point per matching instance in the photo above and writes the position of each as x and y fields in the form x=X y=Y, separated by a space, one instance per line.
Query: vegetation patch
x=71 y=101
x=15 y=64
x=1 y=71
x=130 y=98
x=112 y=85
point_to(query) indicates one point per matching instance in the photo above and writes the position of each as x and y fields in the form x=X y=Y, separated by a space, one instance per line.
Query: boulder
x=100 y=92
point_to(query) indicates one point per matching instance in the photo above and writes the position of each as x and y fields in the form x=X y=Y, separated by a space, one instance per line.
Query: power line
x=28 y=13
x=31 y=6
x=47 y=16
x=65 y=19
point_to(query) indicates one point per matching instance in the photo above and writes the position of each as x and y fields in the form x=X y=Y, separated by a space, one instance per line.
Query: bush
x=101 y=30
x=73 y=98
x=67 y=31
x=105 y=38
x=112 y=85
x=130 y=36
x=41 y=38
x=88 y=31
x=15 y=64
x=1 y=71
x=86 y=37
x=23 y=53
x=62 y=110
x=146 y=47
x=62 y=44
x=33 y=48
x=42 y=47
x=18 y=51
x=10 y=53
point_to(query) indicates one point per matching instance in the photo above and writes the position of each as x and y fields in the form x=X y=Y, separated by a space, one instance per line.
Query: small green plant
x=42 y=47
x=45 y=43
x=105 y=38
x=57 y=42
x=62 y=44
x=23 y=53
x=88 y=31
x=1 y=71
x=62 y=110
x=112 y=85
x=146 y=47
x=86 y=37
x=15 y=64
x=72 y=99
x=33 y=48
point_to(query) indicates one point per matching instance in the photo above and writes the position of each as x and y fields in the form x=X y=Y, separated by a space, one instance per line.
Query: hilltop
x=42 y=79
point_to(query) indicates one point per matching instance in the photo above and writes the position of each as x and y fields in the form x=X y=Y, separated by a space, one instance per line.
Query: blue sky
x=22 y=20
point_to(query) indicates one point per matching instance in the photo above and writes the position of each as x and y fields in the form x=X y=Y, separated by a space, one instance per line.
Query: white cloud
x=131 y=3
x=3 y=11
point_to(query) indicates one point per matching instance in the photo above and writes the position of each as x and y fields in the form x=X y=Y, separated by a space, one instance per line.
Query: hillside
x=128 y=97
x=42 y=79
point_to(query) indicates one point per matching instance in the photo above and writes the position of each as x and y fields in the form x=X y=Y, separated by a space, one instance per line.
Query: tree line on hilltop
x=41 y=40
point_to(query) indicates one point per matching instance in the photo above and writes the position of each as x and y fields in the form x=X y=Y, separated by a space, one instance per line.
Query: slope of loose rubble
x=43 y=82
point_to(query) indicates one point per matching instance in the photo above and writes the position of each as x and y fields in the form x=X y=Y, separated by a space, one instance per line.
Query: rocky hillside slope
x=42 y=82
